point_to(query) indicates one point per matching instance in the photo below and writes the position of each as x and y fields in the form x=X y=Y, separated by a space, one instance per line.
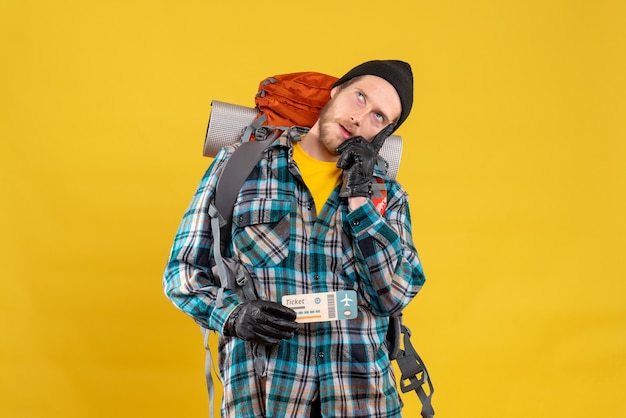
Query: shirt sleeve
x=388 y=265
x=188 y=280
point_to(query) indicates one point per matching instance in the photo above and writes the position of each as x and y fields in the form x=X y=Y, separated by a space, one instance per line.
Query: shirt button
x=316 y=277
x=320 y=354
x=355 y=223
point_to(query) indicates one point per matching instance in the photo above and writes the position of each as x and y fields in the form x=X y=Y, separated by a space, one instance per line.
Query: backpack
x=285 y=103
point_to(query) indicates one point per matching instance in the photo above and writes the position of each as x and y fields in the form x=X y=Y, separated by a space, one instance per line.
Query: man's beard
x=328 y=134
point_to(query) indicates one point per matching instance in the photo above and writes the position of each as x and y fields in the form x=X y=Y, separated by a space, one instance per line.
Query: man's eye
x=379 y=119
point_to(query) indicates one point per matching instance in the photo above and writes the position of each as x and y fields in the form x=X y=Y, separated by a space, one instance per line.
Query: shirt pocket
x=261 y=236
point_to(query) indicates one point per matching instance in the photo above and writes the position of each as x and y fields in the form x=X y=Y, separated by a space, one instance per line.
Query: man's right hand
x=357 y=159
x=262 y=322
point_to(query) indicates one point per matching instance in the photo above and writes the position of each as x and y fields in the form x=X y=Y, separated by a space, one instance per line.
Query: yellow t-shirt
x=321 y=177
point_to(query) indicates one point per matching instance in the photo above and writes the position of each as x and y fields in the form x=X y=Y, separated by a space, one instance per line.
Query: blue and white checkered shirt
x=288 y=249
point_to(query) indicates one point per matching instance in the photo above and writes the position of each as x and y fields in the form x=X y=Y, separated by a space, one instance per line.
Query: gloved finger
x=346 y=160
x=345 y=144
x=279 y=311
x=368 y=166
x=263 y=339
x=277 y=323
x=271 y=330
x=381 y=136
x=264 y=330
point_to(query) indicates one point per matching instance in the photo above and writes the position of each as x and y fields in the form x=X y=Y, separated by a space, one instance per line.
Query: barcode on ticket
x=332 y=306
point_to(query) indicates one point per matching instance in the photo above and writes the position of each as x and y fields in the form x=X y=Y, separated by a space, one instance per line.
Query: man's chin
x=331 y=142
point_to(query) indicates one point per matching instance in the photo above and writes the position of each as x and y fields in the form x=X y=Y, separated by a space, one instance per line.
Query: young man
x=304 y=223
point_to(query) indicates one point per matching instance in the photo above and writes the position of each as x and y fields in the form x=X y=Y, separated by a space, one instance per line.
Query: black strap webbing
x=414 y=372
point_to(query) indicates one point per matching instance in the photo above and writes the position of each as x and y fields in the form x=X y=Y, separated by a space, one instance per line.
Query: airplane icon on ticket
x=346 y=300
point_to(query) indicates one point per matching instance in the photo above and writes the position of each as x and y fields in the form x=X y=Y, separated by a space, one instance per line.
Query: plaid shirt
x=288 y=249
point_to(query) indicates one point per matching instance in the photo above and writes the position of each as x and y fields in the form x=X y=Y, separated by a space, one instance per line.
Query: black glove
x=262 y=322
x=358 y=158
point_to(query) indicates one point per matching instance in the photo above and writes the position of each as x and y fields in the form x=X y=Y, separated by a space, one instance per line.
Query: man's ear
x=334 y=91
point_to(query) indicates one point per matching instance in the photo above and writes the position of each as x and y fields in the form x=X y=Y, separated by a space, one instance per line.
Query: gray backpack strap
x=208 y=365
x=236 y=171
x=251 y=129
x=222 y=271
x=230 y=273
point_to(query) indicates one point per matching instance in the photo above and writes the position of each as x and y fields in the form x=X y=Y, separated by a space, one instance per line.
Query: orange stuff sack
x=294 y=99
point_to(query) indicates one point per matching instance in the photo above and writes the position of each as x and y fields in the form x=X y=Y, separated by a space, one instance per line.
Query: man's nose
x=357 y=118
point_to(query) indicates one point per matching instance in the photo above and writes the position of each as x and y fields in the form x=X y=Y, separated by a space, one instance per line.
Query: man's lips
x=346 y=133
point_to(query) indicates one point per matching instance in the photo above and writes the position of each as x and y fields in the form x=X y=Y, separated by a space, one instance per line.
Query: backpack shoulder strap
x=237 y=169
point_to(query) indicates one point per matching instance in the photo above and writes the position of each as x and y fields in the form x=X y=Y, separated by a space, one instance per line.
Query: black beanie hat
x=397 y=73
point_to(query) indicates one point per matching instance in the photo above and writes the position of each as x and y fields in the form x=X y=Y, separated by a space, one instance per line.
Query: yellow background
x=514 y=159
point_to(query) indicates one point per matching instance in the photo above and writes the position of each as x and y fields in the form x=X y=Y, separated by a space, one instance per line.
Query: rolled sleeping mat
x=228 y=121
